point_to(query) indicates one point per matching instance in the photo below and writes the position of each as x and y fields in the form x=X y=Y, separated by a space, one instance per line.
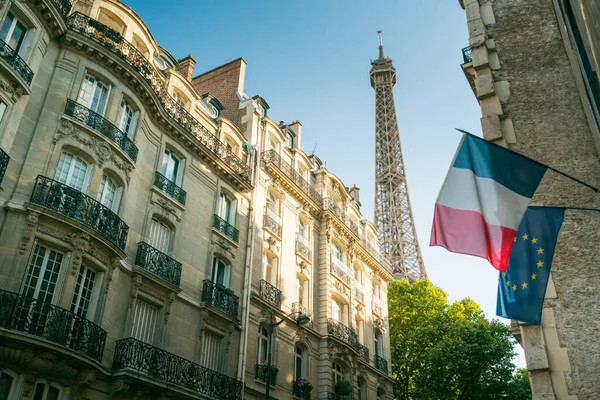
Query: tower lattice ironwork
x=397 y=233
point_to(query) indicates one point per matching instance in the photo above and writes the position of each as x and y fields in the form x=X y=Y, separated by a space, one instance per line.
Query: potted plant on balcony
x=343 y=388
x=303 y=388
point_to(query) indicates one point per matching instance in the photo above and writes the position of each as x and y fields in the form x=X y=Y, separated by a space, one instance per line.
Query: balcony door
x=13 y=33
x=72 y=171
x=220 y=273
x=94 y=94
x=226 y=211
x=160 y=236
x=171 y=167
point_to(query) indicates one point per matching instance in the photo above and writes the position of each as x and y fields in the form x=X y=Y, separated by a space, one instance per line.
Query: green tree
x=446 y=351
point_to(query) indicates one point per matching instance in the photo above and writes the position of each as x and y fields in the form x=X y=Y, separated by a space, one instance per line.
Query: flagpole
x=532 y=160
x=568 y=208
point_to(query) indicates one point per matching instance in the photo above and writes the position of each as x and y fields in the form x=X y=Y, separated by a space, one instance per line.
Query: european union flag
x=522 y=287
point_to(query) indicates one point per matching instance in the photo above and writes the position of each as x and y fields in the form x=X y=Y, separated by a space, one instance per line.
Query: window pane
x=106 y=194
x=43 y=274
x=99 y=98
x=16 y=39
x=144 y=321
x=83 y=291
x=126 y=118
x=160 y=236
x=5 y=385
x=53 y=393
x=8 y=22
x=86 y=91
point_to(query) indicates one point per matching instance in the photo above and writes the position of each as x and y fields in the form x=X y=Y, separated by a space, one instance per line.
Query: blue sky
x=310 y=60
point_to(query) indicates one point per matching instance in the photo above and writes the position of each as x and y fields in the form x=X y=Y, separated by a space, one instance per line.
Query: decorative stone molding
x=272 y=244
x=95 y=252
x=101 y=148
x=81 y=243
x=119 y=388
x=203 y=314
x=342 y=289
x=223 y=244
x=229 y=337
x=82 y=381
x=169 y=302
x=14 y=91
x=32 y=220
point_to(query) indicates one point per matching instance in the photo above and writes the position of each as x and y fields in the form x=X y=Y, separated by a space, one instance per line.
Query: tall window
x=126 y=119
x=109 y=193
x=13 y=32
x=226 y=211
x=221 y=272
x=299 y=363
x=46 y=391
x=83 y=291
x=376 y=293
x=160 y=236
x=338 y=373
x=360 y=329
x=273 y=206
x=336 y=311
x=94 y=94
x=378 y=345
x=263 y=343
x=362 y=390
x=72 y=171
x=271 y=269
x=145 y=316
x=272 y=144
x=304 y=233
x=42 y=276
x=7 y=379
x=171 y=168
x=337 y=252
x=212 y=351
x=301 y=289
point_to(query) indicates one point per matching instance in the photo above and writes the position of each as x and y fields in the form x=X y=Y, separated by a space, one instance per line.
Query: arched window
x=110 y=19
x=338 y=373
x=300 y=363
x=72 y=171
x=109 y=193
x=263 y=343
x=94 y=94
x=138 y=43
x=8 y=384
x=273 y=206
x=160 y=236
x=221 y=272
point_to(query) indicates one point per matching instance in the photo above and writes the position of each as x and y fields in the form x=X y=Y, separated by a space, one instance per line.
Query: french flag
x=483 y=200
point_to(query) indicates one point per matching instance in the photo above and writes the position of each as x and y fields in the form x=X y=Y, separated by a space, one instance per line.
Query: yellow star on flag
x=515 y=239
x=534 y=240
x=524 y=285
x=533 y=276
x=525 y=236
x=514 y=287
x=540 y=264
x=540 y=251
x=508 y=283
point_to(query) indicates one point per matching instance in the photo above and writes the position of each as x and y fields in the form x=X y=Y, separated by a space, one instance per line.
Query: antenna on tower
x=380 y=35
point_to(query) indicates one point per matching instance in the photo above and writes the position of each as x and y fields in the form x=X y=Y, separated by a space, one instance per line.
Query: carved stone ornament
x=202 y=323
x=223 y=244
x=230 y=330
x=82 y=381
x=166 y=205
x=103 y=150
x=32 y=220
x=328 y=230
x=81 y=243
x=15 y=91
x=272 y=243
x=341 y=289
x=170 y=299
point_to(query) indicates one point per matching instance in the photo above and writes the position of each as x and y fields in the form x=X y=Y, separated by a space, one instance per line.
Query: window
x=221 y=272
x=83 y=291
x=289 y=143
x=378 y=345
x=138 y=43
x=72 y=171
x=302 y=288
x=2 y=109
x=263 y=343
x=360 y=329
x=376 y=293
x=145 y=316
x=171 y=168
x=336 y=311
x=272 y=144
x=109 y=194
x=226 y=211
x=111 y=20
x=362 y=390
x=304 y=233
x=160 y=236
x=126 y=121
x=337 y=252
x=270 y=273
x=211 y=351
x=42 y=276
x=303 y=173
x=13 y=32
x=7 y=385
x=273 y=207
x=299 y=363
x=94 y=94
x=338 y=373
x=46 y=391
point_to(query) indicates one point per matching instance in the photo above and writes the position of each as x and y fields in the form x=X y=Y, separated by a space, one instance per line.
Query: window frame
x=72 y=165
x=94 y=292
x=24 y=40
x=14 y=384
x=96 y=83
x=153 y=238
x=47 y=386
x=130 y=125
x=42 y=274
x=176 y=176
x=217 y=263
x=263 y=345
x=118 y=191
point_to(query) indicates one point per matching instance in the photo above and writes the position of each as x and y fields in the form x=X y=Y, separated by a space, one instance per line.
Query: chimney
x=296 y=127
x=354 y=194
x=185 y=67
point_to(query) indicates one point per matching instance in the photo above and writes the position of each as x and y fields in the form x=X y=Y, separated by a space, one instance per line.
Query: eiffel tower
x=393 y=213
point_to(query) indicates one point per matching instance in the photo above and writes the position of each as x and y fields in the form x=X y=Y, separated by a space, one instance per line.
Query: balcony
x=343 y=333
x=381 y=363
x=363 y=353
x=54 y=324
x=78 y=206
x=303 y=248
x=269 y=293
x=150 y=81
x=159 y=365
x=272 y=222
x=299 y=390
x=261 y=371
x=169 y=187
x=101 y=125
x=376 y=254
x=54 y=13
x=359 y=293
x=377 y=308
x=333 y=396
x=220 y=297
x=297 y=307
x=341 y=271
x=225 y=228
x=330 y=205
x=20 y=71
x=158 y=263
x=270 y=157
x=4 y=159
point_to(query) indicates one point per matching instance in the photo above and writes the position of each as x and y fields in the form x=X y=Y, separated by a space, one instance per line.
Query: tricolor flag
x=483 y=200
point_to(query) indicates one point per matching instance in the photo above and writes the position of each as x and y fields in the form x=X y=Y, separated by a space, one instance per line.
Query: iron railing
x=330 y=205
x=158 y=263
x=342 y=332
x=271 y=156
x=113 y=41
x=272 y=224
x=103 y=126
x=363 y=353
x=142 y=358
x=381 y=363
x=261 y=371
x=28 y=315
x=376 y=254
x=467 y=56
x=269 y=293
x=334 y=396
x=63 y=6
x=15 y=62
x=226 y=228
x=299 y=390
x=76 y=205
x=169 y=187
x=302 y=247
x=297 y=307
x=340 y=270
x=4 y=159
x=220 y=297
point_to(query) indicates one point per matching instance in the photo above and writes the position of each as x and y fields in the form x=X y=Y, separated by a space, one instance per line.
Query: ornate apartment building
x=154 y=223
x=534 y=67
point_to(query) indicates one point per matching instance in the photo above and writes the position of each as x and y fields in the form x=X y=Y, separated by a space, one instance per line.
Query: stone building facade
x=533 y=66
x=152 y=222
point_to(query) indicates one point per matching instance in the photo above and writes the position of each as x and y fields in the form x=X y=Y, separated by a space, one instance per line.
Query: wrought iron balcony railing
x=300 y=391
x=15 y=62
x=158 y=263
x=100 y=124
x=271 y=156
x=340 y=270
x=381 y=363
x=28 y=315
x=303 y=247
x=142 y=358
x=169 y=187
x=269 y=293
x=226 y=228
x=342 y=332
x=261 y=372
x=76 y=205
x=467 y=56
x=4 y=159
x=63 y=6
x=334 y=396
x=114 y=42
x=272 y=222
x=220 y=297
x=330 y=205
x=376 y=254
x=297 y=307
x=363 y=353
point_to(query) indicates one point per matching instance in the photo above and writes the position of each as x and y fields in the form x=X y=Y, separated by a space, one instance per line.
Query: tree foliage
x=447 y=351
